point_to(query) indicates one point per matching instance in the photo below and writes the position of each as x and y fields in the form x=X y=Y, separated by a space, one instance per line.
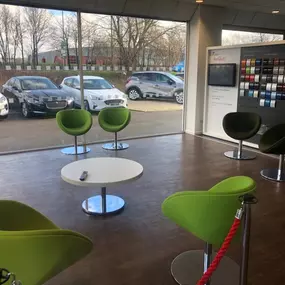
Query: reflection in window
x=230 y=37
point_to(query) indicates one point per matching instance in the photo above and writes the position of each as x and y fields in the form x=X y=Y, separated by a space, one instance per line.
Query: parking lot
x=148 y=118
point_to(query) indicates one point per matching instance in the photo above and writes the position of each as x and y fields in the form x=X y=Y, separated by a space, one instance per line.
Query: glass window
x=68 y=82
x=11 y=82
x=37 y=83
x=99 y=83
x=161 y=78
x=230 y=37
x=17 y=84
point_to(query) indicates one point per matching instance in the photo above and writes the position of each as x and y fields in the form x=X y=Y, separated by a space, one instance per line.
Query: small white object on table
x=102 y=172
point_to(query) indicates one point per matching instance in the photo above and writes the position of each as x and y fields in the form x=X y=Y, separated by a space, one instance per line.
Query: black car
x=35 y=95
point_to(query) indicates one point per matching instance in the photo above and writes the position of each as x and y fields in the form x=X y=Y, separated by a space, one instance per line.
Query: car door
x=7 y=90
x=9 y=93
x=164 y=85
x=17 y=91
x=147 y=84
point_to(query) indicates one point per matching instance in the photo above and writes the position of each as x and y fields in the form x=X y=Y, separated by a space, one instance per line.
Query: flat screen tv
x=222 y=74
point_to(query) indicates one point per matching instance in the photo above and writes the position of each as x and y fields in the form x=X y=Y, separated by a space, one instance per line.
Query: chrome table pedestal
x=103 y=204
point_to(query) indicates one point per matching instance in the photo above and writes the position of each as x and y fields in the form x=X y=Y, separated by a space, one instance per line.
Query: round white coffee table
x=102 y=172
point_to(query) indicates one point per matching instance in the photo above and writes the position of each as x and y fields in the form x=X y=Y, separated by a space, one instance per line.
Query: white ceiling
x=251 y=13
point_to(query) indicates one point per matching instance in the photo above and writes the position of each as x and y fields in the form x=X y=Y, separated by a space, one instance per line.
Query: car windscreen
x=37 y=84
x=97 y=84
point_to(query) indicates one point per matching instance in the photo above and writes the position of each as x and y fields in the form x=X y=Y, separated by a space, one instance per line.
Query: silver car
x=155 y=84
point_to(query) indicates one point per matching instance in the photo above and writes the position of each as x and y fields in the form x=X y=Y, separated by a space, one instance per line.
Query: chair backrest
x=74 y=118
x=208 y=214
x=273 y=140
x=115 y=116
x=243 y=122
x=33 y=247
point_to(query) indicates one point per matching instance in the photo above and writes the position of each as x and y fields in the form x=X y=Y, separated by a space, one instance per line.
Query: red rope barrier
x=207 y=275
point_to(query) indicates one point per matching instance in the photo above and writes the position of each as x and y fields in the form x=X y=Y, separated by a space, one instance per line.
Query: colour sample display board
x=262 y=85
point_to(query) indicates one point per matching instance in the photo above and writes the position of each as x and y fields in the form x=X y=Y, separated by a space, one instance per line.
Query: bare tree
x=6 y=19
x=38 y=29
x=134 y=37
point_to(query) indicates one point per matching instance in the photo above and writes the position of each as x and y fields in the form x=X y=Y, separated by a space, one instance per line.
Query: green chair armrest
x=15 y=216
x=37 y=256
x=235 y=184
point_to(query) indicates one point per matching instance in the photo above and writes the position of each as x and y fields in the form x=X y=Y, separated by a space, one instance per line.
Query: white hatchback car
x=98 y=93
x=4 y=107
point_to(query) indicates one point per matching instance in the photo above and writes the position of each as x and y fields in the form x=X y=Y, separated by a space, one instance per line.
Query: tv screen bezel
x=234 y=79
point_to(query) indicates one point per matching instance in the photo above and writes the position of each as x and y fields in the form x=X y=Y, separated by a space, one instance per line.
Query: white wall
x=220 y=100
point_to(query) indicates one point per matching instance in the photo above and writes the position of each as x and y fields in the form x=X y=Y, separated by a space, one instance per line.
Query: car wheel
x=179 y=96
x=25 y=111
x=134 y=94
x=86 y=106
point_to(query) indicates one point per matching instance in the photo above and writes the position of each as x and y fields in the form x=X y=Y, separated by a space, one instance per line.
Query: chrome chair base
x=112 y=146
x=245 y=155
x=94 y=205
x=273 y=174
x=187 y=269
x=71 y=150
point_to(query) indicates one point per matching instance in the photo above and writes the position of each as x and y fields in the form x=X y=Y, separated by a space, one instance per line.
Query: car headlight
x=94 y=97
x=125 y=96
x=3 y=100
x=69 y=100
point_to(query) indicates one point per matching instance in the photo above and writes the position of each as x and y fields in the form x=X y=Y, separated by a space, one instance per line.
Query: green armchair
x=33 y=247
x=114 y=120
x=75 y=123
x=208 y=215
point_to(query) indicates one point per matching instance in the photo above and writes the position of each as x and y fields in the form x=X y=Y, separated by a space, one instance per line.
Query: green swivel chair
x=114 y=120
x=34 y=248
x=273 y=142
x=241 y=126
x=75 y=123
x=208 y=215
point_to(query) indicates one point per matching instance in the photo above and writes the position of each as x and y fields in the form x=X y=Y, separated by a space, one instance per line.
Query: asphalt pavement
x=17 y=133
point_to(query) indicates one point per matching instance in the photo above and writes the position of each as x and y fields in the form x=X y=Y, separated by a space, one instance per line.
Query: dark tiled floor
x=137 y=246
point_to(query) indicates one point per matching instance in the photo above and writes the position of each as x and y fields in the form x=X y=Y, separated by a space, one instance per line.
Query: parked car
x=155 y=84
x=4 y=107
x=98 y=93
x=36 y=95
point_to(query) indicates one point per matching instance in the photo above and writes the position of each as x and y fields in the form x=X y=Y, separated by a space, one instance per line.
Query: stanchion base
x=93 y=205
x=187 y=269
x=272 y=174
x=112 y=146
x=246 y=155
x=71 y=150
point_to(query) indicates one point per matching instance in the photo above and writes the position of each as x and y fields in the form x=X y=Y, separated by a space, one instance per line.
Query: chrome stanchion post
x=208 y=258
x=239 y=154
x=280 y=166
x=248 y=200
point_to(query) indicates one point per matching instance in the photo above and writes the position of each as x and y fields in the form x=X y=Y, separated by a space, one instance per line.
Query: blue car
x=178 y=67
